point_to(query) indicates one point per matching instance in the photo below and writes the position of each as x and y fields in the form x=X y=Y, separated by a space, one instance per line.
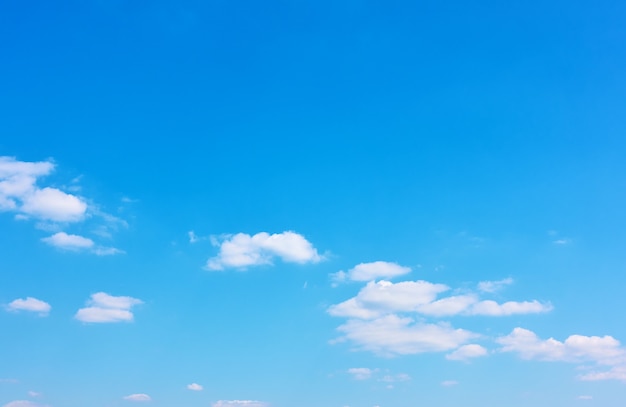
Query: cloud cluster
x=103 y=307
x=389 y=318
x=30 y=304
x=599 y=350
x=243 y=250
x=53 y=208
x=19 y=193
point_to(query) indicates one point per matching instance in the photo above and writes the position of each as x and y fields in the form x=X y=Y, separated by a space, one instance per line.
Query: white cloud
x=371 y=271
x=494 y=286
x=615 y=373
x=562 y=242
x=243 y=250
x=24 y=403
x=54 y=204
x=193 y=238
x=393 y=335
x=492 y=308
x=32 y=393
x=584 y=397
x=103 y=307
x=449 y=383
x=384 y=297
x=107 y=251
x=361 y=373
x=138 y=397
x=30 y=304
x=400 y=377
x=239 y=403
x=194 y=387
x=576 y=348
x=68 y=242
x=466 y=352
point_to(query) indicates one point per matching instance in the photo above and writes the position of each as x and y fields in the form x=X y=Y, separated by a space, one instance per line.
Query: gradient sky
x=312 y=203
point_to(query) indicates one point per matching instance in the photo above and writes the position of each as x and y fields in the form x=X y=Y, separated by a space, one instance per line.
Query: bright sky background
x=302 y=203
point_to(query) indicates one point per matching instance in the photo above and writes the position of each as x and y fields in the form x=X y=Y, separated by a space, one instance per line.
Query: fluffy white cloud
x=361 y=373
x=243 y=250
x=371 y=271
x=493 y=286
x=194 y=387
x=30 y=304
x=23 y=403
x=138 y=397
x=466 y=352
x=239 y=403
x=576 y=348
x=68 y=242
x=384 y=297
x=103 y=307
x=19 y=192
x=392 y=335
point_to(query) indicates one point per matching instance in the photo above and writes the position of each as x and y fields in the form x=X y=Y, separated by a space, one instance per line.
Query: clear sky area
x=297 y=203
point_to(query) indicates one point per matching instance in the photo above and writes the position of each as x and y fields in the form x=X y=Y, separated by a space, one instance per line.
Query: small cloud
x=34 y=393
x=584 y=397
x=30 y=304
x=400 y=377
x=68 y=242
x=194 y=387
x=449 y=383
x=107 y=251
x=467 y=352
x=361 y=373
x=493 y=286
x=137 y=397
x=126 y=199
x=103 y=308
x=562 y=242
x=11 y=381
x=193 y=238
x=371 y=271
x=243 y=250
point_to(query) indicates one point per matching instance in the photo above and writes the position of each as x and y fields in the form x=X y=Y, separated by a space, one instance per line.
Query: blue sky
x=313 y=204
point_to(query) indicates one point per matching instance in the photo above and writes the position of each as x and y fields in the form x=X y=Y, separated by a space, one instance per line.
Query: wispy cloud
x=103 y=308
x=467 y=352
x=138 y=397
x=30 y=304
x=494 y=286
x=24 y=403
x=242 y=250
x=449 y=383
x=370 y=271
x=361 y=373
x=64 y=241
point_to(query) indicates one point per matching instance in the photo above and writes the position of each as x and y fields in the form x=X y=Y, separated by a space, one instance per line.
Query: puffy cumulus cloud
x=138 y=397
x=604 y=350
x=30 y=304
x=24 y=403
x=361 y=373
x=242 y=250
x=494 y=286
x=103 y=307
x=371 y=271
x=378 y=298
x=384 y=297
x=19 y=192
x=194 y=387
x=466 y=352
x=239 y=403
x=68 y=242
x=392 y=335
